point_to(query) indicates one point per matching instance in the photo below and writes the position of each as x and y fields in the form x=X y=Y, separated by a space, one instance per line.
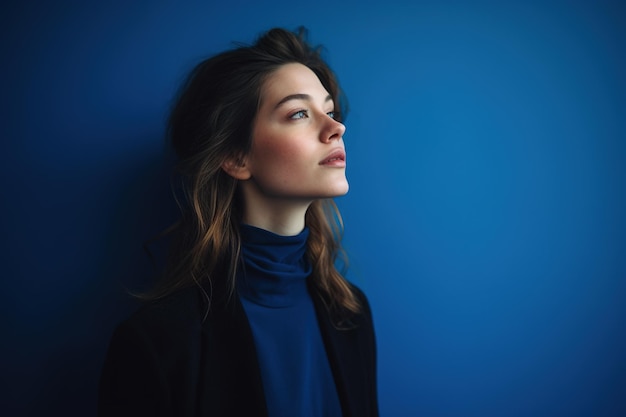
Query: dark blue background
x=485 y=219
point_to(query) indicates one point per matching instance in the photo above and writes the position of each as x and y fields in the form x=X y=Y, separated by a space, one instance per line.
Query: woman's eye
x=299 y=115
x=331 y=114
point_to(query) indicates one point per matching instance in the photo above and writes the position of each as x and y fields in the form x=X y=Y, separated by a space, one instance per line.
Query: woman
x=252 y=318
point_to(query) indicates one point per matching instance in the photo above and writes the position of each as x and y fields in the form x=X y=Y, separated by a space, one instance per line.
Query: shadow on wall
x=136 y=206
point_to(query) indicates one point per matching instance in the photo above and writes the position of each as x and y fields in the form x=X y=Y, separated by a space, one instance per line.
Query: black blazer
x=166 y=360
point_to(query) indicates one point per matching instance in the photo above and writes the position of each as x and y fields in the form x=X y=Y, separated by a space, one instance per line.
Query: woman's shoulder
x=362 y=299
x=152 y=356
x=177 y=316
x=357 y=291
x=361 y=320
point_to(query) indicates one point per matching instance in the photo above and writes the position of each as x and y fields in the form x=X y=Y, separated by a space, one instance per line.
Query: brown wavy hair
x=211 y=123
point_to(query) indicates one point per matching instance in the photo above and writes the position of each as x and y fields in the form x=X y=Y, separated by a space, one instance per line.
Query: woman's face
x=297 y=146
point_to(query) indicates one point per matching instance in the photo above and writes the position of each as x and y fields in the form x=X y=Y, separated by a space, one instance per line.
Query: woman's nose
x=333 y=130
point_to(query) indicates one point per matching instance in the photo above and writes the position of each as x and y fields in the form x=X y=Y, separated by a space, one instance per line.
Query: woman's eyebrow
x=304 y=97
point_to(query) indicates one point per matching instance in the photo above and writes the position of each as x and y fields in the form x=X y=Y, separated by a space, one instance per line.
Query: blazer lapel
x=345 y=360
x=231 y=374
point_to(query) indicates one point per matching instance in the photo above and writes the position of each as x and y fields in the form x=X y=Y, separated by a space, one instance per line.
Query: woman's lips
x=336 y=158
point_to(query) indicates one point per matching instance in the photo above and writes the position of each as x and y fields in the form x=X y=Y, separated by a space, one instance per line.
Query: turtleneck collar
x=274 y=268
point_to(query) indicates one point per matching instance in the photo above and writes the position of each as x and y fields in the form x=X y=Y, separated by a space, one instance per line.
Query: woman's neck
x=281 y=215
x=283 y=219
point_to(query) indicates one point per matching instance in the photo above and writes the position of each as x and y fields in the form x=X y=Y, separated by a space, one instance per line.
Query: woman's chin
x=340 y=189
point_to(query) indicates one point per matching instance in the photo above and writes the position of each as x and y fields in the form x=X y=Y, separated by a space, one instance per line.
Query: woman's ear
x=236 y=168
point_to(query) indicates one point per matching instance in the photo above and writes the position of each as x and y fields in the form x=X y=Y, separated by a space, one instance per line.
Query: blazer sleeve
x=132 y=382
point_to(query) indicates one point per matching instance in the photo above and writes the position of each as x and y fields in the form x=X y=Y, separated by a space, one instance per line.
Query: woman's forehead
x=292 y=79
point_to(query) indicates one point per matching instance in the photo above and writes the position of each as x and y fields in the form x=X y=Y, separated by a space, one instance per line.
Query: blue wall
x=487 y=161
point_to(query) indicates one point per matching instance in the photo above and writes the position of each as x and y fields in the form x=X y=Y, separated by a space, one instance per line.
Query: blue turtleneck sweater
x=297 y=379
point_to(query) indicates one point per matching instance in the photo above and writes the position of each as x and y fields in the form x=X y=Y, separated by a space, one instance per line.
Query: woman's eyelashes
x=300 y=114
x=304 y=114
